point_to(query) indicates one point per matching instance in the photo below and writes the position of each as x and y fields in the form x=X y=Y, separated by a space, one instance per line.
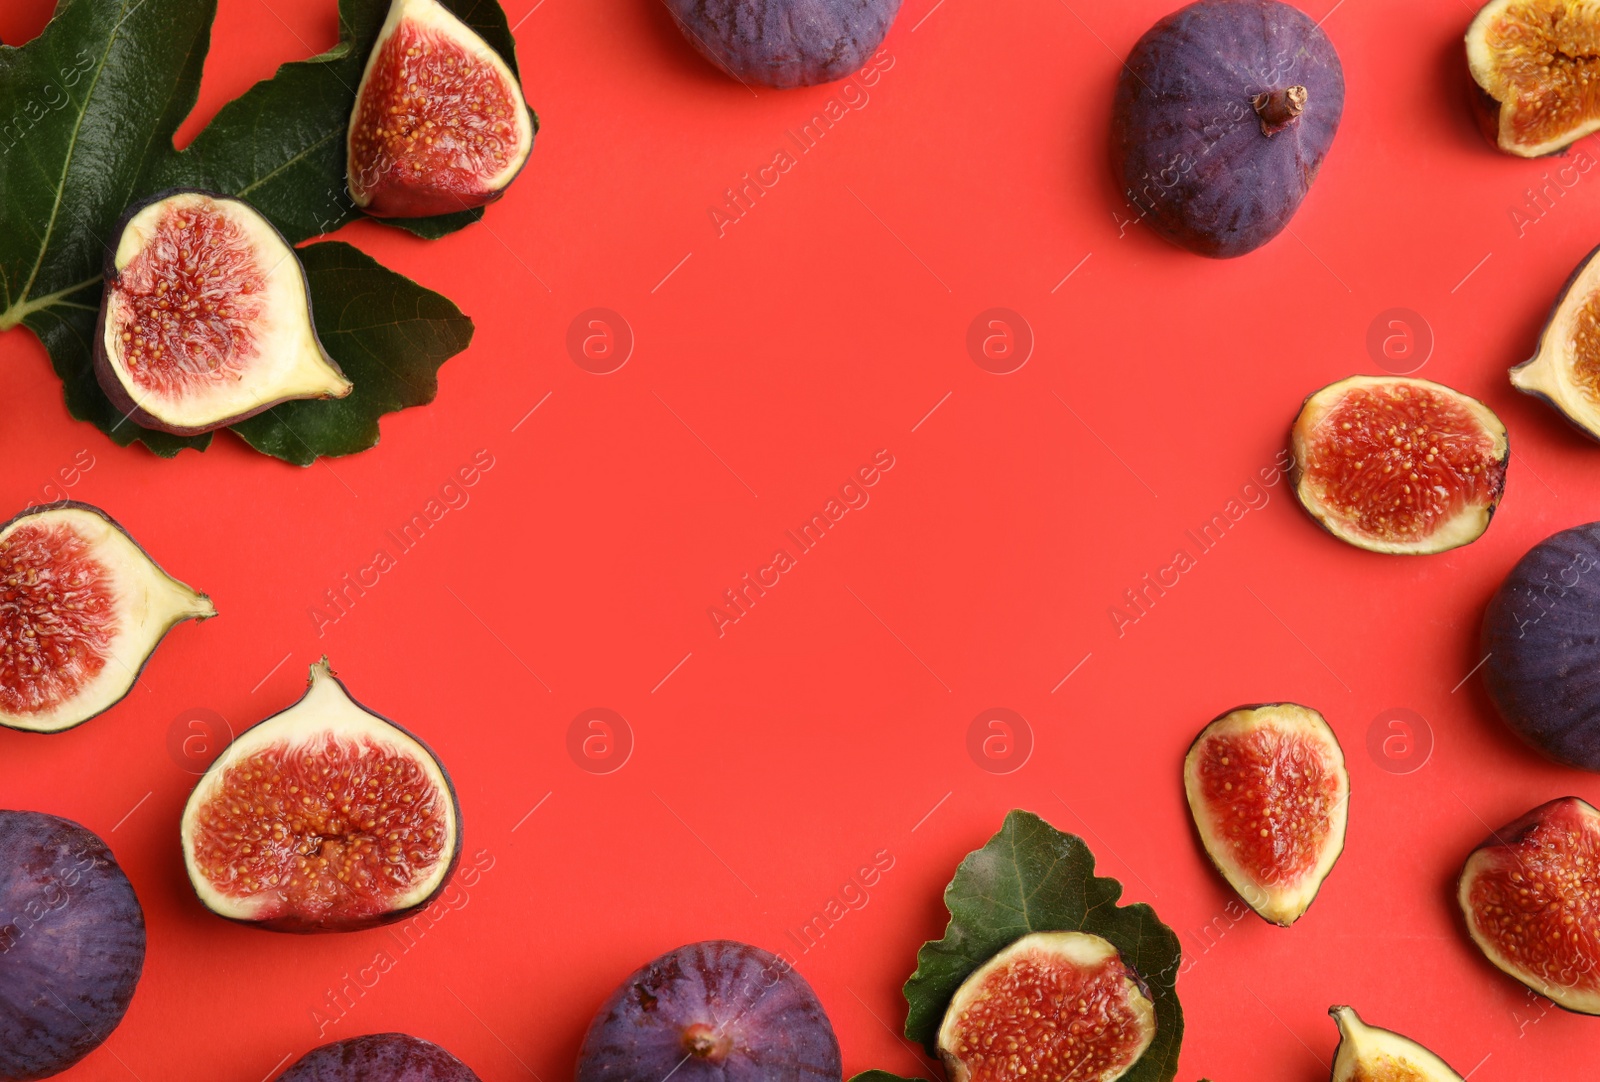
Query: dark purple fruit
x=1051 y=1007
x=1541 y=635
x=1531 y=896
x=717 y=1011
x=82 y=608
x=323 y=818
x=1223 y=115
x=378 y=1057
x=206 y=317
x=71 y=944
x=786 y=43
x=439 y=123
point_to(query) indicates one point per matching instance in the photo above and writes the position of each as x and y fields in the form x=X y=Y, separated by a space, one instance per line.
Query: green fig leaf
x=366 y=316
x=1031 y=877
x=94 y=102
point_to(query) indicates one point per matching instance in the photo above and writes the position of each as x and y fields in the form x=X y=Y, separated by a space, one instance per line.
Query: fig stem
x=1279 y=108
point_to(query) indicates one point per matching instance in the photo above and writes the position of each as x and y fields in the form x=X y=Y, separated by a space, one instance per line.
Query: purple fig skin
x=1190 y=144
x=379 y=1057
x=786 y=43
x=1542 y=637
x=72 y=944
x=717 y=1011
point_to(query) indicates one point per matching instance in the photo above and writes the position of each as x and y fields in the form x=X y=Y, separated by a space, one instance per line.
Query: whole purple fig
x=1224 y=113
x=716 y=1011
x=71 y=944
x=786 y=43
x=378 y=1057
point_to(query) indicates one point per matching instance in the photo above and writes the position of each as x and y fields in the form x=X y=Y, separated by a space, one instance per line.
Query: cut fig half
x=323 y=818
x=82 y=608
x=206 y=317
x=1369 y=1054
x=1531 y=896
x=1270 y=796
x=1565 y=369
x=1399 y=465
x=440 y=124
x=1537 y=66
x=1051 y=1007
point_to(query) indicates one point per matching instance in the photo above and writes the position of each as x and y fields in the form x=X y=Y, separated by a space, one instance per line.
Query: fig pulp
x=1369 y=1054
x=1541 y=638
x=1537 y=66
x=786 y=43
x=1224 y=113
x=206 y=317
x=717 y=1011
x=1270 y=796
x=439 y=124
x=82 y=608
x=1051 y=1007
x=378 y=1057
x=1399 y=465
x=1531 y=896
x=71 y=944
x=324 y=818
x=1565 y=369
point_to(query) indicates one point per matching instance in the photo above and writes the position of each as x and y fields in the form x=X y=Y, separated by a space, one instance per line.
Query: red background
x=826 y=724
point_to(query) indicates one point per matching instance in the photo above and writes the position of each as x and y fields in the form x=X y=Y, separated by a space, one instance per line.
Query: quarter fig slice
x=1369 y=1054
x=206 y=317
x=72 y=944
x=322 y=818
x=82 y=608
x=1270 y=796
x=439 y=124
x=1537 y=66
x=1565 y=370
x=378 y=1057
x=1531 y=897
x=715 y=1011
x=1051 y=1007
x=1396 y=464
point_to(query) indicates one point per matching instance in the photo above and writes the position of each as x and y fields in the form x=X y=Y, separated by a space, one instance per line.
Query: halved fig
x=1537 y=66
x=1369 y=1054
x=1565 y=369
x=715 y=1011
x=378 y=1057
x=1400 y=465
x=82 y=608
x=1531 y=896
x=1052 y=1007
x=323 y=818
x=72 y=944
x=206 y=317
x=1270 y=796
x=439 y=124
